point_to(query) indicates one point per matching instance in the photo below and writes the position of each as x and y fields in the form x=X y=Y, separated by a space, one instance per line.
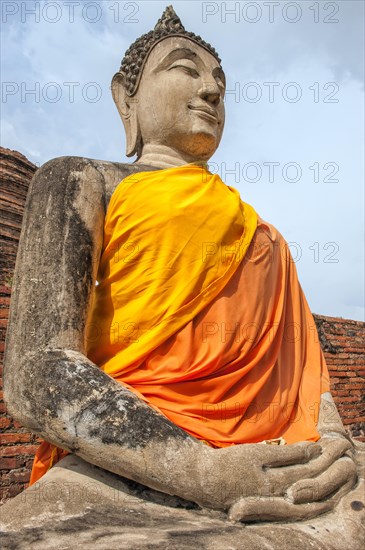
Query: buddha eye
x=189 y=70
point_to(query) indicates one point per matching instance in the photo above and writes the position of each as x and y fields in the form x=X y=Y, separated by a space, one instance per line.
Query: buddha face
x=179 y=102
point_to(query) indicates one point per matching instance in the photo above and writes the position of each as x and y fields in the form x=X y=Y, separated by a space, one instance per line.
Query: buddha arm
x=50 y=385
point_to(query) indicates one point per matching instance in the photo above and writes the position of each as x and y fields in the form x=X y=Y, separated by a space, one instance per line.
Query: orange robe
x=204 y=318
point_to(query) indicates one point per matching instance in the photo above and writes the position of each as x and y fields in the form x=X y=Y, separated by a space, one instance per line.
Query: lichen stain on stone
x=106 y=412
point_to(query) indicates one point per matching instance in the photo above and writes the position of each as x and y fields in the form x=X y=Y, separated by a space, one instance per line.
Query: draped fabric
x=247 y=368
x=199 y=312
x=172 y=240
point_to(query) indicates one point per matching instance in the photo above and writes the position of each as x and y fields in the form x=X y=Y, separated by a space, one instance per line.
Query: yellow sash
x=172 y=240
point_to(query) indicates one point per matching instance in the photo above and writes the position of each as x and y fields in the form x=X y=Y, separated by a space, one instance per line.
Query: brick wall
x=341 y=339
x=17 y=444
x=343 y=344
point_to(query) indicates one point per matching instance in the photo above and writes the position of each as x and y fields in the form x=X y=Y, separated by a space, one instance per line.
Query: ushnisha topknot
x=135 y=57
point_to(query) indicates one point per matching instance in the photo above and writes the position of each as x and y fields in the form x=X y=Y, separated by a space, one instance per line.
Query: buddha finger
x=332 y=450
x=315 y=463
x=335 y=444
x=275 y=509
x=281 y=478
x=342 y=472
x=299 y=453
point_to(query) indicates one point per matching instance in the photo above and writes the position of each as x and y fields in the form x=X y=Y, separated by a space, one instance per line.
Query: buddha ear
x=127 y=108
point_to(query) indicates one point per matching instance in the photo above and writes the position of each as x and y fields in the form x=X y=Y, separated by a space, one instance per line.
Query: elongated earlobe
x=128 y=112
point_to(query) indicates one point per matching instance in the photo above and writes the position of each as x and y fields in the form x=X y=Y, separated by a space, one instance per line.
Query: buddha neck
x=162 y=156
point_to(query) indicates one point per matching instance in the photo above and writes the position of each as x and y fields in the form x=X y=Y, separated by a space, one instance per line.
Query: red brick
x=21 y=476
x=352 y=399
x=16 y=450
x=342 y=392
x=5 y=289
x=17 y=425
x=8 y=463
x=5 y=422
x=14 y=438
x=353 y=417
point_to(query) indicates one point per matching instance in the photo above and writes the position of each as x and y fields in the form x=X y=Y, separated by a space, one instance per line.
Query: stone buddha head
x=169 y=92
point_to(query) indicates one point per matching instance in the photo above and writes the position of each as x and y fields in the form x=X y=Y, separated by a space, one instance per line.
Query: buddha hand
x=255 y=482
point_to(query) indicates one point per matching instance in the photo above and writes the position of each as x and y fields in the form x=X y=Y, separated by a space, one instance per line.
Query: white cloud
x=304 y=132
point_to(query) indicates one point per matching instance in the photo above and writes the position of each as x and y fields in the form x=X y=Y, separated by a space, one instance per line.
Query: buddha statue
x=151 y=327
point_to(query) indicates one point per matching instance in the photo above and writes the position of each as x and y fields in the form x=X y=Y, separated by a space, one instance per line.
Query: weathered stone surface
x=77 y=505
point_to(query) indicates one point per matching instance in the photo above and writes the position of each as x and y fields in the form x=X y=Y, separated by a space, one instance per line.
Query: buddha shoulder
x=73 y=175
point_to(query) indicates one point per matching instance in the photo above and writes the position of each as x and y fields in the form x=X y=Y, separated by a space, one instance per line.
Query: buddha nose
x=210 y=92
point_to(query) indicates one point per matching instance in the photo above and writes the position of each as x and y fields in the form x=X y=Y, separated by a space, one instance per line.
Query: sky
x=293 y=142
